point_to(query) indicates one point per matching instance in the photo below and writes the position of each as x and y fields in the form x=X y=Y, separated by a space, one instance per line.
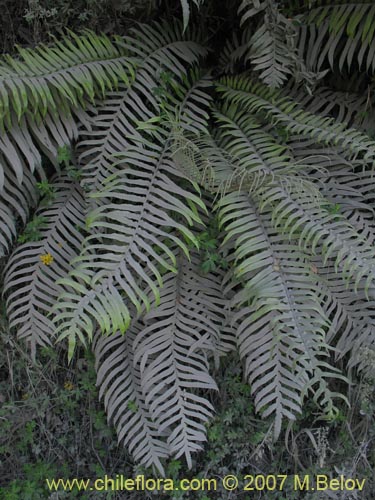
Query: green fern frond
x=16 y=203
x=131 y=240
x=135 y=196
x=262 y=101
x=161 y=50
x=160 y=365
x=280 y=325
x=60 y=77
x=119 y=380
x=340 y=32
x=43 y=92
x=253 y=151
x=44 y=257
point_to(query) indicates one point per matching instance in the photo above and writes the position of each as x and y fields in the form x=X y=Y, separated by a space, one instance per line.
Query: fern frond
x=119 y=380
x=44 y=91
x=136 y=197
x=352 y=329
x=271 y=49
x=60 y=77
x=299 y=215
x=114 y=124
x=280 y=325
x=340 y=32
x=253 y=151
x=353 y=108
x=131 y=240
x=15 y=204
x=257 y=99
x=33 y=268
x=172 y=350
x=150 y=377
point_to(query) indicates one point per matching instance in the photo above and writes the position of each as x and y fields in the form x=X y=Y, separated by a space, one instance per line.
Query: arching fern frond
x=172 y=349
x=260 y=100
x=43 y=92
x=353 y=108
x=151 y=376
x=136 y=198
x=60 y=77
x=280 y=325
x=298 y=215
x=131 y=240
x=50 y=242
x=254 y=152
x=116 y=120
x=119 y=379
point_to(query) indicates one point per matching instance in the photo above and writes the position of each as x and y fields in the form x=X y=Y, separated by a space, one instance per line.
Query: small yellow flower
x=46 y=259
x=25 y=396
x=68 y=385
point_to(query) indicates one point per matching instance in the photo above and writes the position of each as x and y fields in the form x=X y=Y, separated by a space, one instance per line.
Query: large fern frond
x=42 y=88
x=35 y=265
x=132 y=241
x=43 y=93
x=119 y=379
x=151 y=376
x=260 y=100
x=180 y=329
x=280 y=324
x=60 y=77
x=132 y=183
x=115 y=122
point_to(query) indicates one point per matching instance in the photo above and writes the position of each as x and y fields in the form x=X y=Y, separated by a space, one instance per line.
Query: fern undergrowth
x=195 y=211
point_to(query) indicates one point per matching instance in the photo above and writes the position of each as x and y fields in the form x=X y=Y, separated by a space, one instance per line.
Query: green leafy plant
x=203 y=214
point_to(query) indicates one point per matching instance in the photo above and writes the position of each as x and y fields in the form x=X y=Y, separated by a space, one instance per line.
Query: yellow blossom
x=68 y=385
x=46 y=259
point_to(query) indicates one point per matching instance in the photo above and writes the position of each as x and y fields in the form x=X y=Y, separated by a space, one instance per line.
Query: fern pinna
x=191 y=215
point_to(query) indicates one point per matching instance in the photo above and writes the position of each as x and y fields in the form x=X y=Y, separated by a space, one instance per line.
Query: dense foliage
x=170 y=199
